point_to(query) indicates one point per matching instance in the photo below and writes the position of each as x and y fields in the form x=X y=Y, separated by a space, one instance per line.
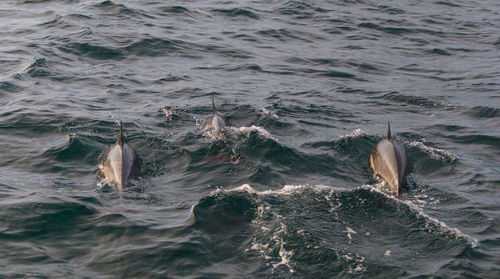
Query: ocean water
x=286 y=191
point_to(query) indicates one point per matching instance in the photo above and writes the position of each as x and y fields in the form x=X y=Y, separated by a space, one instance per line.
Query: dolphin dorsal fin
x=213 y=105
x=389 y=137
x=120 y=137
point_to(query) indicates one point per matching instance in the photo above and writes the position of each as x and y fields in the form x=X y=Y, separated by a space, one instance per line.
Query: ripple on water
x=301 y=83
x=275 y=224
x=484 y=112
x=237 y=13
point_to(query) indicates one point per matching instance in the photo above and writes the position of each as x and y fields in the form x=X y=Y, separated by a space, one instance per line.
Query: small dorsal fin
x=120 y=137
x=389 y=137
x=213 y=105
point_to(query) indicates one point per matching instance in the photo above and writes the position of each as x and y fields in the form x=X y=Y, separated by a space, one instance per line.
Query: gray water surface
x=286 y=192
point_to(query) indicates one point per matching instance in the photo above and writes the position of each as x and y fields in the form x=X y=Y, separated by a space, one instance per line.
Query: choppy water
x=307 y=86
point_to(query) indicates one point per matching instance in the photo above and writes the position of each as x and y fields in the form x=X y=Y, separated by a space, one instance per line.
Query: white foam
x=420 y=212
x=243 y=188
x=232 y=132
x=104 y=182
x=435 y=153
x=198 y=122
x=285 y=258
x=350 y=231
x=262 y=248
x=246 y=131
x=265 y=111
x=359 y=268
x=356 y=133
x=285 y=255
x=381 y=184
x=420 y=199
x=212 y=134
x=358 y=260
x=170 y=112
x=268 y=248
x=285 y=191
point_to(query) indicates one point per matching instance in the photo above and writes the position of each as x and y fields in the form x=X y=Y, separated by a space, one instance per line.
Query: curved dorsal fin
x=120 y=137
x=213 y=105
x=389 y=137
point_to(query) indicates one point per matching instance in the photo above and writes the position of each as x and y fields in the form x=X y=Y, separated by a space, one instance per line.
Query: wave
x=247 y=131
x=281 y=232
x=177 y=10
x=266 y=112
x=420 y=212
x=435 y=153
x=484 y=112
x=415 y=100
x=288 y=190
x=237 y=12
x=111 y=7
x=355 y=134
x=92 y=50
x=43 y=216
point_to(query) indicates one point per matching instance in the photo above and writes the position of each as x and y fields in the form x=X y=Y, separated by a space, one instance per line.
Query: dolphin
x=214 y=121
x=120 y=163
x=388 y=159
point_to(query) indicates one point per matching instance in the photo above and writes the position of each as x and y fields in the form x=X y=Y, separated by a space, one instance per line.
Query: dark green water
x=307 y=87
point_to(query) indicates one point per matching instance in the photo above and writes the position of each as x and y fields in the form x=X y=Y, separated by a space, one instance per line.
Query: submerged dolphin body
x=120 y=163
x=389 y=160
x=214 y=121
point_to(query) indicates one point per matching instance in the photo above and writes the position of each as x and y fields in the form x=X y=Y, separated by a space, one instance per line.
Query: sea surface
x=286 y=191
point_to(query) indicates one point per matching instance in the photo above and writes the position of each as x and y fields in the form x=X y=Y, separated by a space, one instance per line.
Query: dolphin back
x=389 y=160
x=383 y=161
x=128 y=162
x=120 y=164
x=133 y=163
x=112 y=164
x=215 y=122
x=218 y=122
x=402 y=161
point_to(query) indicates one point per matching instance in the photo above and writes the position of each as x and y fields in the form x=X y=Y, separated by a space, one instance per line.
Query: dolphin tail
x=120 y=137
x=389 y=137
x=213 y=105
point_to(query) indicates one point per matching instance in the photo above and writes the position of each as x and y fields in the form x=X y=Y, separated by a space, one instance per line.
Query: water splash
x=284 y=191
x=233 y=133
x=320 y=189
x=170 y=113
x=355 y=134
x=435 y=153
x=266 y=112
x=420 y=212
x=247 y=131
